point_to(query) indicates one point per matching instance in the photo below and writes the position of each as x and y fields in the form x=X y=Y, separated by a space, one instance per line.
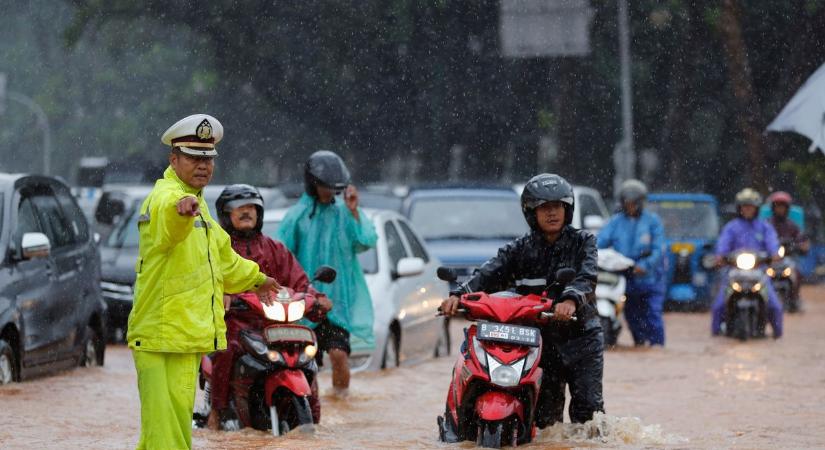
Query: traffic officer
x=184 y=266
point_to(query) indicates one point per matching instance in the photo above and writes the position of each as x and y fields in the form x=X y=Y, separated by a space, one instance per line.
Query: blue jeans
x=643 y=312
x=774 y=308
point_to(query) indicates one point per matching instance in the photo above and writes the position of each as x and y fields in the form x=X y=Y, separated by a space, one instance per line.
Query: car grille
x=116 y=291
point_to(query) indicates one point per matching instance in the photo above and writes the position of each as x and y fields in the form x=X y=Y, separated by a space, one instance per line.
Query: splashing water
x=605 y=429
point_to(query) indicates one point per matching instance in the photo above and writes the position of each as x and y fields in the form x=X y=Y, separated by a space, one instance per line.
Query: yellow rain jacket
x=184 y=267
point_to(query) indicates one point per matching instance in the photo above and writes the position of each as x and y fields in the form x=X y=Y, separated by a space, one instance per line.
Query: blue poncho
x=333 y=237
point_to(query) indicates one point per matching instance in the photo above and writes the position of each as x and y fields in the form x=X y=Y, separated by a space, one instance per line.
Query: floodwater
x=699 y=392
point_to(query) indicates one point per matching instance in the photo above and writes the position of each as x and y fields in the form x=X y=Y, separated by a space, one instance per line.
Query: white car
x=401 y=277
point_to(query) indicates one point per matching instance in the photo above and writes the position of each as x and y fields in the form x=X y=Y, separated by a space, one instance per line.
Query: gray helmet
x=748 y=196
x=544 y=188
x=633 y=191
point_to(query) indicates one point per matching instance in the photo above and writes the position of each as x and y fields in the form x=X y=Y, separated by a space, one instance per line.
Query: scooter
x=496 y=379
x=747 y=296
x=271 y=382
x=785 y=277
x=611 y=286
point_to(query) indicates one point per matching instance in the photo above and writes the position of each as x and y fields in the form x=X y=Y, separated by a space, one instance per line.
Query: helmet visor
x=533 y=203
x=232 y=204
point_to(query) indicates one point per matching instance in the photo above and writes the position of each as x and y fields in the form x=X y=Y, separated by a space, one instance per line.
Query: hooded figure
x=321 y=230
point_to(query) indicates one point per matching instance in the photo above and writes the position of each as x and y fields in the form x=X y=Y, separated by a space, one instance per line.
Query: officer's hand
x=449 y=307
x=564 y=310
x=266 y=290
x=227 y=300
x=323 y=302
x=188 y=206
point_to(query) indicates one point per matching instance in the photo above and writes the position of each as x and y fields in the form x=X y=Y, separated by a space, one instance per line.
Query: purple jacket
x=756 y=235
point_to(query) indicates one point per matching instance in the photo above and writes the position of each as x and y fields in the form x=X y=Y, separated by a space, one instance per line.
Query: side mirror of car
x=446 y=274
x=409 y=267
x=565 y=275
x=325 y=274
x=593 y=222
x=35 y=245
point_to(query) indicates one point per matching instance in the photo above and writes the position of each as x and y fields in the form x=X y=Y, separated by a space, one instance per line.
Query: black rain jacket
x=529 y=264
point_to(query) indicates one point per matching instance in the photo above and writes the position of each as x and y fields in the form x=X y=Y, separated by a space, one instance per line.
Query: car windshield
x=687 y=219
x=468 y=218
x=368 y=259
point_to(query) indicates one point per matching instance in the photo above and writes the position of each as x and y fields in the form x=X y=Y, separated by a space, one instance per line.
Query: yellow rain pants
x=166 y=382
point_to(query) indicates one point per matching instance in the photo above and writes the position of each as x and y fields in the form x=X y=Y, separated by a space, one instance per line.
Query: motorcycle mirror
x=565 y=275
x=446 y=274
x=325 y=274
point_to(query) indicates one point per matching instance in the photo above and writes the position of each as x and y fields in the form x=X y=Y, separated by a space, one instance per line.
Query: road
x=698 y=392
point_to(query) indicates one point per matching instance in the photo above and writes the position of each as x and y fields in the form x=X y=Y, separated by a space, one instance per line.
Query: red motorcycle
x=495 y=382
x=271 y=382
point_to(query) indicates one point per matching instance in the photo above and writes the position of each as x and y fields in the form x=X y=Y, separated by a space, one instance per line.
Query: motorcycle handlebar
x=548 y=315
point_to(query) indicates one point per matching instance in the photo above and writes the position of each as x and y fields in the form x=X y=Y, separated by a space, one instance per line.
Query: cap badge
x=204 y=130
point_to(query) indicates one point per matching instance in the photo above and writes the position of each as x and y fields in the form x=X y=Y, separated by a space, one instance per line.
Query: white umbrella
x=805 y=113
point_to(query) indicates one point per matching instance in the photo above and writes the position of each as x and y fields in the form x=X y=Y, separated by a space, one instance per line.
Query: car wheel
x=444 y=343
x=391 y=347
x=91 y=356
x=8 y=364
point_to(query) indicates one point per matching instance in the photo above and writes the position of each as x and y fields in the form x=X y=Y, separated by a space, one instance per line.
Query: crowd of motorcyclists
x=323 y=229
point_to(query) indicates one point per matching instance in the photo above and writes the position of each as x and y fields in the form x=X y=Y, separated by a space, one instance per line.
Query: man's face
x=550 y=217
x=325 y=194
x=748 y=211
x=244 y=217
x=196 y=171
x=631 y=207
x=780 y=209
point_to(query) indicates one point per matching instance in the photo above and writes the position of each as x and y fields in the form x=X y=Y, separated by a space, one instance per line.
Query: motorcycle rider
x=573 y=351
x=240 y=209
x=788 y=231
x=639 y=235
x=749 y=233
x=322 y=230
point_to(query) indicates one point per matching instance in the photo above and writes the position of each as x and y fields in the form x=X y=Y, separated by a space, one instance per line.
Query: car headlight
x=481 y=355
x=771 y=273
x=736 y=287
x=787 y=272
x=746 y=261
x=505 y=375
x=531 y=359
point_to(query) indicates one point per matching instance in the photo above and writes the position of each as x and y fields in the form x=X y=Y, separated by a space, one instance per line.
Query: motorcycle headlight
x=756 y=287
x=295 y=311
x=746 y=261
x=531 y=359
x=736 y=287
x=308 y=354
x=782 y=251
x=787 y=272
x=505 y=375
x=275 y=312
x=274 y=356
x=771 y=273
x=480 y=353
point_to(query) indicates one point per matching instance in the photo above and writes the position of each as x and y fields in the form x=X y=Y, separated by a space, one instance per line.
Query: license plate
x=289 y=334
x=511 y=334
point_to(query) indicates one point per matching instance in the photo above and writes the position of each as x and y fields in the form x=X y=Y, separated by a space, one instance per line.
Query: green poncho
x=333 y=237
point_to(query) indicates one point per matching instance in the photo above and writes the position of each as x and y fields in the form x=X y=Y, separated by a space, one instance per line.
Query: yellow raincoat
x=184 y=266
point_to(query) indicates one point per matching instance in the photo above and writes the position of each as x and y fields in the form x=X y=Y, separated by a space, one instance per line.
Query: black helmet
x=327 y=169
x=543 y=188
x=236 y=195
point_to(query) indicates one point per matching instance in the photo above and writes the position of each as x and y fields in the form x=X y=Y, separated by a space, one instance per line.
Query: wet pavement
x=699 y=392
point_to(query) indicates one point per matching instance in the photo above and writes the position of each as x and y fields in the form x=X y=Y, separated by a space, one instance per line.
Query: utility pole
x=624 y=156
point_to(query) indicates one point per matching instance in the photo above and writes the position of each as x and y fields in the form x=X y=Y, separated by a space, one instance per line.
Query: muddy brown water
x=699 y=392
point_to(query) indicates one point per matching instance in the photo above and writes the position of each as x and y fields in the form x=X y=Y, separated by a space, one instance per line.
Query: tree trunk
x=746 y=106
